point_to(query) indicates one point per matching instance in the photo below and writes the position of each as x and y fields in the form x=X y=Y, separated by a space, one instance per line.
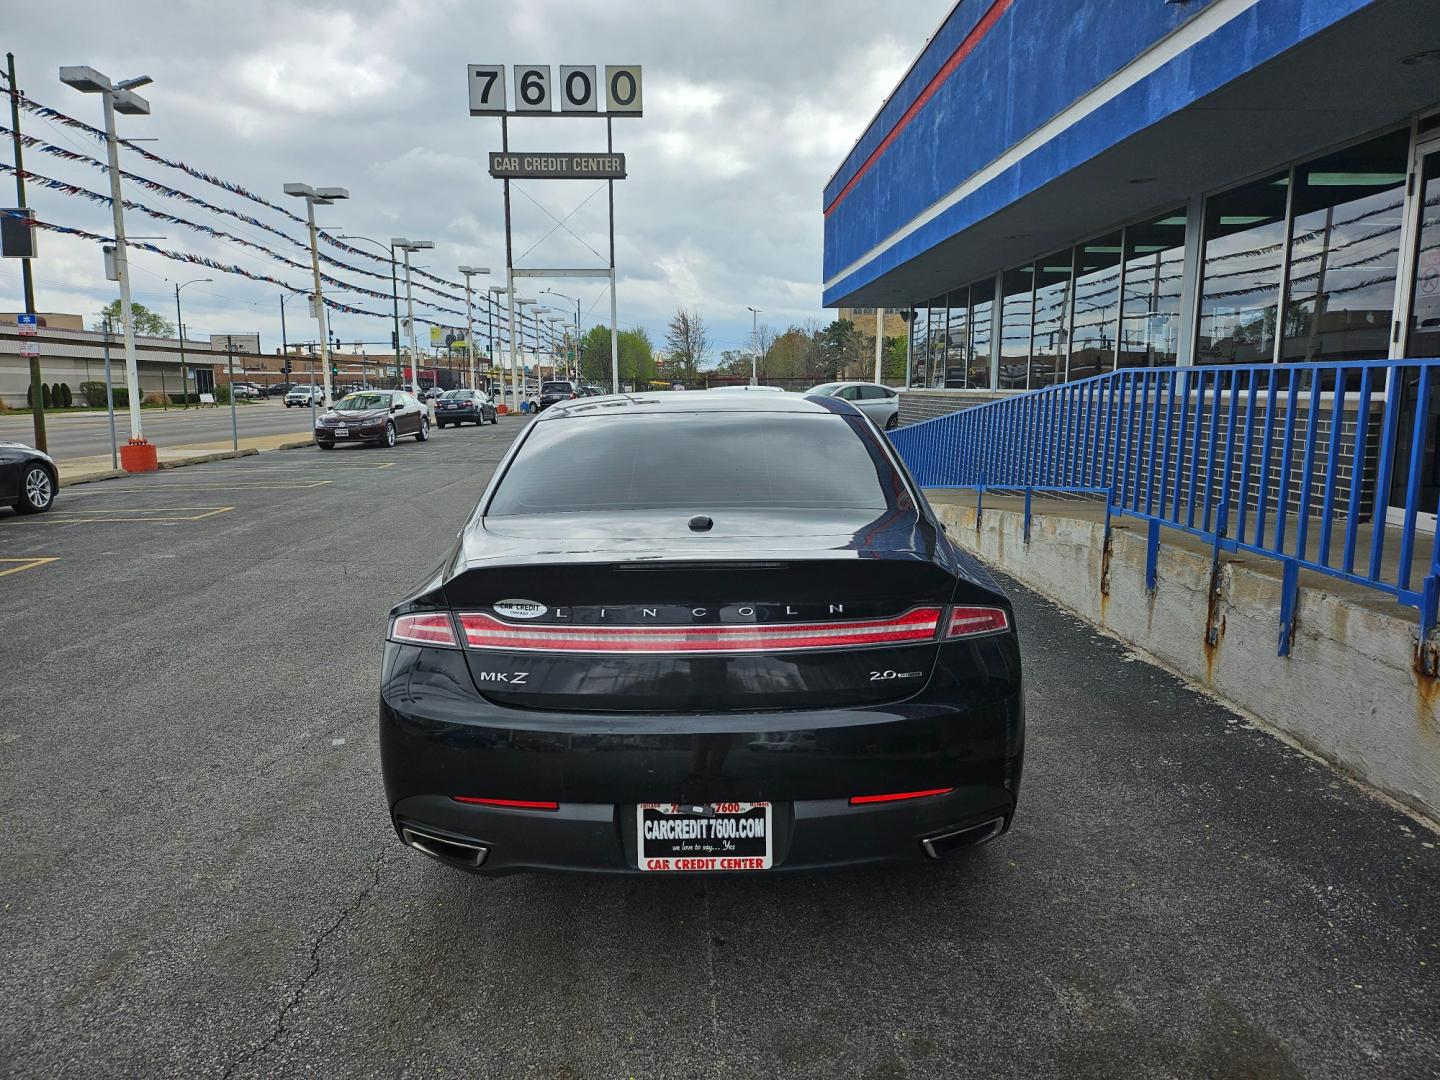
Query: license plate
x=342 y=431
x=708 y=836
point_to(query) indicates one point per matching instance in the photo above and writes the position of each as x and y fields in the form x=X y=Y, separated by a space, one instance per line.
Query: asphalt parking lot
x=199 y=878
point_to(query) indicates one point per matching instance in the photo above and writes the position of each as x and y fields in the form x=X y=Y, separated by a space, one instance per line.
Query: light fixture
x=1142 y=180
x=1427 y=56
x=1245 y=219
x=1355 y=179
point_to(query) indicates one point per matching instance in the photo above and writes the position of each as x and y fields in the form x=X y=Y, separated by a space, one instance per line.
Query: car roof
x=669 y=401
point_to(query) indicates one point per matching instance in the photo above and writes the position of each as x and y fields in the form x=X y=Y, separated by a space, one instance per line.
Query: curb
x=221 y=455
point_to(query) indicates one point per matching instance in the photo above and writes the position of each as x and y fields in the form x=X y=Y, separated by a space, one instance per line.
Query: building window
x=1052 y=307
x=957 y=340
x=1240 y=287
x=1097 y=305
x=935 y=339
x=1344 y=252
x=982 y=314
x=1016 y=306
x=1150 y=312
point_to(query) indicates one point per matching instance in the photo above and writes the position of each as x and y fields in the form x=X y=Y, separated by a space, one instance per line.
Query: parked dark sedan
x=465 y=407
x=647 y=655
x=375 y=416
x=28 y=478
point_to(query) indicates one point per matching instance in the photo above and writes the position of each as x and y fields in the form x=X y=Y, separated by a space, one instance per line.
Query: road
x=199 y=878
x=74 y=435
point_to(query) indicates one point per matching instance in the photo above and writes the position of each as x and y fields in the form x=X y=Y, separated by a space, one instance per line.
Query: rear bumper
x=439 y=739
x=600 y=838
x=445 y=415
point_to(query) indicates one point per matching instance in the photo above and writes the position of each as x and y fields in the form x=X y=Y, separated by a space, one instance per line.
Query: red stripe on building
x=964 y=49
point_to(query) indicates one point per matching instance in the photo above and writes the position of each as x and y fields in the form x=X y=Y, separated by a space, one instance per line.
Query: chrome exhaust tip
x=445 y=848
x=942 y=844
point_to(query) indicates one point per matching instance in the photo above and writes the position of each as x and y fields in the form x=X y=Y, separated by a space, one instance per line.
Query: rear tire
x=892 y=423
x=37 y=490
x=424 y=432
x=441 y=425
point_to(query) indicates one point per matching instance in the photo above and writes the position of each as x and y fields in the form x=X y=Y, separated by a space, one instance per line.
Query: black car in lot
x=378 y=417
x=465 y=407
x=701 y=632
x=556 y=391
x=28 y=478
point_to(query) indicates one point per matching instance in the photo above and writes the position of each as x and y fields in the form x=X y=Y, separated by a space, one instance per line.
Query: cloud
x=749 y=108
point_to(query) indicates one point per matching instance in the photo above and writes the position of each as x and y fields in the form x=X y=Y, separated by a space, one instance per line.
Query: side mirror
x=396 y=407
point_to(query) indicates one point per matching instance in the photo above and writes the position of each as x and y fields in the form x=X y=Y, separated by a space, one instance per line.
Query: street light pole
x=407 y=246
x=180 y=329
x=754 y=344
x=394 y=294
x=497 y=291
x=470 y=271
x=576 y=302
x=122 y=98
x=322 y=197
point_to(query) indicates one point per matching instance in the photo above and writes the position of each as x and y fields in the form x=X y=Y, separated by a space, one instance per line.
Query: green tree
x=893 y=366
x=147 y=322
x=635 y=354
x=785 y=359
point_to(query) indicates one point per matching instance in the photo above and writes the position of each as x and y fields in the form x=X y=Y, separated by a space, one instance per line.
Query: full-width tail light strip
x=482 y=631
x=487 y=632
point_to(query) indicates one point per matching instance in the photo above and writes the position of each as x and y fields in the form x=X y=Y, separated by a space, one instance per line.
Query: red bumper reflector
x=914 y=626
x=432 y=628
x=898 y=796
x=508 y=804
x=969 y=621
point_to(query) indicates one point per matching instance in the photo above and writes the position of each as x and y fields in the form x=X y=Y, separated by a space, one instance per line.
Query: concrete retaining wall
x=1348 y=691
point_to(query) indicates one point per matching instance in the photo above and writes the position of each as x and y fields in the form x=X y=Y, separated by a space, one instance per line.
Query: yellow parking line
x=26 y=564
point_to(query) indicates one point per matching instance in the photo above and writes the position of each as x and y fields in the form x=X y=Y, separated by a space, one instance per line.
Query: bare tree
x=687 y=344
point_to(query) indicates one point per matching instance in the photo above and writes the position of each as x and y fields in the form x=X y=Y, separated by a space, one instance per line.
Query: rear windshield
x=555 y=388
x=697 y=460
x=455 y=395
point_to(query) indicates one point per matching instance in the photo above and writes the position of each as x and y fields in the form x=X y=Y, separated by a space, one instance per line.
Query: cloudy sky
x=748 y=109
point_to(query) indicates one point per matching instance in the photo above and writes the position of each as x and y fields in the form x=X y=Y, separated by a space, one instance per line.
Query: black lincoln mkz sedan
x=701 y=632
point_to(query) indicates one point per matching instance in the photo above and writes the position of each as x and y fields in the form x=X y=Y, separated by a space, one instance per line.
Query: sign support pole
x=614 y=334
x=509 y=274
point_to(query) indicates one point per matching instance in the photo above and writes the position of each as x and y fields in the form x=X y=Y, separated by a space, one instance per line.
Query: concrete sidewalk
x=85 y=470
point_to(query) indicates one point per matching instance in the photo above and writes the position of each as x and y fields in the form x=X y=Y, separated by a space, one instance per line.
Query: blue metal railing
x=1297 y=462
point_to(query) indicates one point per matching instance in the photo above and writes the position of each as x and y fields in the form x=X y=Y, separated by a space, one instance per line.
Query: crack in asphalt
x=290 y=1005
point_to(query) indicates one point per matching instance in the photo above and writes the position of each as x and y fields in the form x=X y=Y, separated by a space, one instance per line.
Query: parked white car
x=880 y=403
x=304 y=396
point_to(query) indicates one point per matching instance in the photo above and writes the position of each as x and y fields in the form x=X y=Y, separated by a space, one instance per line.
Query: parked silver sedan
x=880 y=403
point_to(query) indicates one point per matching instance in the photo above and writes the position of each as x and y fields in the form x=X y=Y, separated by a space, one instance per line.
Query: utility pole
x=322 y=197
x=37 y=384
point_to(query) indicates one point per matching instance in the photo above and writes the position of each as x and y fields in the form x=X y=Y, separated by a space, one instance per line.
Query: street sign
x=27 y=325
x=579 y=90
x=487 y=89
x=532 y=88
x=557 y=166
x=622 y=89
x=29 y=348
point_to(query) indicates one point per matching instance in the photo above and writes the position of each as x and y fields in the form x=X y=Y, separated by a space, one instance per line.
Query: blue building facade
x=1062 y=188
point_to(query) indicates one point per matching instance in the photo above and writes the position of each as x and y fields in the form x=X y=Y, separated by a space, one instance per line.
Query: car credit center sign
x=505 y=166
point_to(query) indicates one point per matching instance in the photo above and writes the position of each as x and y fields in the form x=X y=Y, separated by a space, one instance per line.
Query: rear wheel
x=441 y=425
x=424 y=432
x=893 y=422
x=390 y=433
x=37 y=490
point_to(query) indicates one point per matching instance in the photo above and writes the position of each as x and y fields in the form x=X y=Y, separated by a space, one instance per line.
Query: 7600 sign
x=578 y=90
